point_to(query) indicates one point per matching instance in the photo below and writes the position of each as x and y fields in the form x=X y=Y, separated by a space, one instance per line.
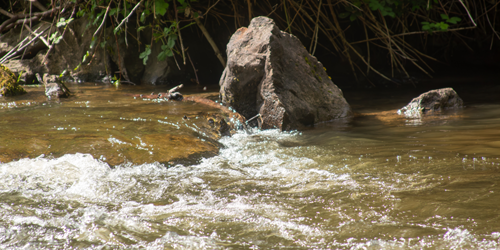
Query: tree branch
x=6 y=13
x=39 y=5
x=14 y=20
x=126 y=18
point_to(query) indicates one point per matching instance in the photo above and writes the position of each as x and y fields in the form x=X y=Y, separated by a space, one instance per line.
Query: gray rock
x=53 y=87
x=434 y=100
x=270 y=73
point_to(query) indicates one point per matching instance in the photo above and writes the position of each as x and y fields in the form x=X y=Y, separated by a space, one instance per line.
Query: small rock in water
x=434 y=100
x=176 y=96
x=53 y=87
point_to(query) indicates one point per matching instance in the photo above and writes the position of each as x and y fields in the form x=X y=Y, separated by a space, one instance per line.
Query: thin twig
x=103 y=19
x=409 y=33
x=39 y=5
x=41 y=38
x=180 y=36
x=194 y=69
x=2 y=11
x=9 y=54
x=315 y=34
x=34 y=17
x=492 y=28
x=212 y=43
x=208 y=10
x=126 y=18
x=249 y=10
x=475 y=25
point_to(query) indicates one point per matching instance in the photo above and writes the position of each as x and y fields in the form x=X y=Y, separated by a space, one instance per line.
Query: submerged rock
x=434 y=100
x=54 y=88
x=8 y=83
x=269 y=73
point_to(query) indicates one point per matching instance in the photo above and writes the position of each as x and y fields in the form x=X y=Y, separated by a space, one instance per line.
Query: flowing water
x=103 y=170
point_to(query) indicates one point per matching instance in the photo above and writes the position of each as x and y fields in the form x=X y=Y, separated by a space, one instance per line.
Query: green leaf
x=444 y=17
x=426 y=26
x=166 y=31
x=55 y=37
x=141 y=28
x=171 y=41
x=143 y=17
x=146 y=52
x=169 y=53
x=454 y=20
x=376 y=5
x=344 y=14
x=443 y=26
x=157 y=35
x=113 y=11
x=80 y=13
x=85 y=56
x=62 y=22
x=145 y=55
x=387 y=11
x=162 y=56
x=353 y=17
x=161 y=7
x=103 y=44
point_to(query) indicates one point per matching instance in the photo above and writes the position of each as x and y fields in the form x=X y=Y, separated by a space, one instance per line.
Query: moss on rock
x=8 y=83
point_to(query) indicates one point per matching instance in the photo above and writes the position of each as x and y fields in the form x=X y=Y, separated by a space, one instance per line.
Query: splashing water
x=366 y=185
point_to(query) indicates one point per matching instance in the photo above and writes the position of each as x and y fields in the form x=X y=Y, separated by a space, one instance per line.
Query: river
x=105 y=170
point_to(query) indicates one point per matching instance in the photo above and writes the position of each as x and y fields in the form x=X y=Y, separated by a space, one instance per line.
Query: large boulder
x=434 y=100
x=270 y=73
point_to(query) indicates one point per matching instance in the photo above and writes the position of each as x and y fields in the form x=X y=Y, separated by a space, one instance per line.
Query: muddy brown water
x=102 y=170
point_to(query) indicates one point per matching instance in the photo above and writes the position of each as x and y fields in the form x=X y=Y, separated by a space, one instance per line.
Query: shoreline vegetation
x=373 y=38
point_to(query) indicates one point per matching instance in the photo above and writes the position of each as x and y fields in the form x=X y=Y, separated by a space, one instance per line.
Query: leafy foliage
x=161 y=7
x=145 y=55
x=441 y=26
x=163 y=30
x=391 y=8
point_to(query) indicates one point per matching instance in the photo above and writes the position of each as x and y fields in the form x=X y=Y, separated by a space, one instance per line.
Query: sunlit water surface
x=373 y=182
